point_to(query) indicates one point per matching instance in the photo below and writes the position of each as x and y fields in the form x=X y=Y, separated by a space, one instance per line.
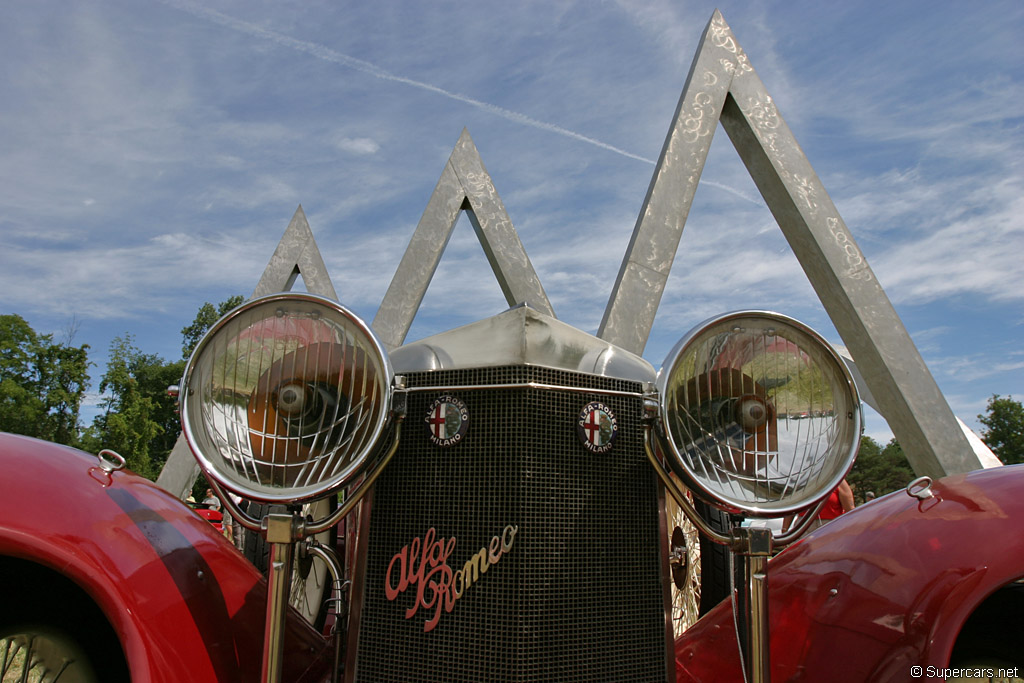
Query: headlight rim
x=290 y=495
x=675 y=460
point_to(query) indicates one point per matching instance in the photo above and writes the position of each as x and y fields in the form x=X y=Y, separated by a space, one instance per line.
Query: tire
x=311 y=581
x=50 y=628
x=716 y=584
x=254 y=546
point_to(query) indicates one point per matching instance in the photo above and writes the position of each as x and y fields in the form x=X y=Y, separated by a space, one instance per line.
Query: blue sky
x=152 y=154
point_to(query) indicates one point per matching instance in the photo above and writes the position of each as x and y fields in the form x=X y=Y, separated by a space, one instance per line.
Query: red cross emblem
x=447 y=421
x=597 y=427
x=437 y=421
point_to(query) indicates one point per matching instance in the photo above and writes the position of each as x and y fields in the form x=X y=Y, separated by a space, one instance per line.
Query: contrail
x=328 y=55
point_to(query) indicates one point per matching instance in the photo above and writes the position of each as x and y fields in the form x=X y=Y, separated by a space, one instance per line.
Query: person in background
x=229 y=524
x=840 y=500
x=237 y=533
x=211 y=501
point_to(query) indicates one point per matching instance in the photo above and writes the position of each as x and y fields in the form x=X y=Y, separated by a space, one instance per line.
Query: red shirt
x=832 y=507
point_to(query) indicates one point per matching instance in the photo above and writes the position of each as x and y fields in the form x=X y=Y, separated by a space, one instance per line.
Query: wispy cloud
x=103 y=283
x=154 y=154
x=326 y=54
x=971 y=253
x=357 y=145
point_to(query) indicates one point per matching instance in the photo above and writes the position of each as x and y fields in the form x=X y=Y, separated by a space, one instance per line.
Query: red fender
x=183 y=601
x=882 y=588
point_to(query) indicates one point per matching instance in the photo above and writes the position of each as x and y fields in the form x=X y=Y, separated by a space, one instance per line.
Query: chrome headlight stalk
x=288 y=398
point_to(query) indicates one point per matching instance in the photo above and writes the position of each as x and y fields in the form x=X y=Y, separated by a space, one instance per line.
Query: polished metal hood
x=521 y=336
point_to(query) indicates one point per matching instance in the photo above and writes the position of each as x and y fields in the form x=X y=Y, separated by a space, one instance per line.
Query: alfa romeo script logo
x=421 y=567
x=597 y=427
x=448 y=419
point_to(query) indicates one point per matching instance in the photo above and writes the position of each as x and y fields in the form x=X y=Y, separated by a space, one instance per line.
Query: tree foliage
x=1004 y=429
x=42 y=382
x=879 y=470
x=129 y=423
x=140 y=420
x=207 y=315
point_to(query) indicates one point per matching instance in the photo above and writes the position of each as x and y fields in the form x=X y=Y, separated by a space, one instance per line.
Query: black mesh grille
x=579 y=595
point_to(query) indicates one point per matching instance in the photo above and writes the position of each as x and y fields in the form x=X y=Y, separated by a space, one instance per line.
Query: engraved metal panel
x=645 y=268
x=296 y=253
x=464 y=185
x=723 y=85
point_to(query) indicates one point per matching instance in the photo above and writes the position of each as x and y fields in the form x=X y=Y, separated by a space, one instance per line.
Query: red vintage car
x=109 y=578
x=505 y=485
x=925 y=587
x=487 y=552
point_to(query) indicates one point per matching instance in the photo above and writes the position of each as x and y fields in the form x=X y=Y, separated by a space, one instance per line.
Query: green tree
x=1004 y=429
x=140 y=419
x=129 y=423
x=207 y=315
x=880 y=470
x=42 y=382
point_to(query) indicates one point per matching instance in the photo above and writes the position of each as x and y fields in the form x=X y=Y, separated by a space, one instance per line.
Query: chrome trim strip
x=333 y=563
x=450 y=388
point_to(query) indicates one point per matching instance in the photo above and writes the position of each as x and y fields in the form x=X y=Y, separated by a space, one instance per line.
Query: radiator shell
x=579 y=596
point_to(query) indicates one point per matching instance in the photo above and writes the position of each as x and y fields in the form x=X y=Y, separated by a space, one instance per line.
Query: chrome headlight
x=760 y=414
x=285 y=398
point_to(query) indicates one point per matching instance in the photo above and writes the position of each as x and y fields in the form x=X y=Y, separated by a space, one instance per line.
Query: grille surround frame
x=580 y=597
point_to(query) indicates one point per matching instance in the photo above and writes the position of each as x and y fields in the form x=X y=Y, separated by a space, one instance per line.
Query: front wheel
x=52 y=632
x=699 y=566
x=41 y=653
x=993 y=636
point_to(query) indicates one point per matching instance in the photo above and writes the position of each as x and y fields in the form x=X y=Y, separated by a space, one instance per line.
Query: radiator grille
x=578 y=597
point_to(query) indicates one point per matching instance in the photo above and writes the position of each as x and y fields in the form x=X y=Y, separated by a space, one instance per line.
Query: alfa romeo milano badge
x=597 y=427
x=447 y=420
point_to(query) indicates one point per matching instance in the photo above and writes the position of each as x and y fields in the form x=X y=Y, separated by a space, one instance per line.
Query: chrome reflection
x=285 y=397
x=759 y=412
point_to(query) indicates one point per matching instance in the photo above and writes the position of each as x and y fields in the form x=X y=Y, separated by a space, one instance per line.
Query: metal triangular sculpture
x=723 y=86
x=464 y=185
x=296 y=254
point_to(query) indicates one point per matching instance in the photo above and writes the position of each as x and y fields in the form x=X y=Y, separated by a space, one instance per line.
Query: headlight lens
x=285 y=397
x=760 y=414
